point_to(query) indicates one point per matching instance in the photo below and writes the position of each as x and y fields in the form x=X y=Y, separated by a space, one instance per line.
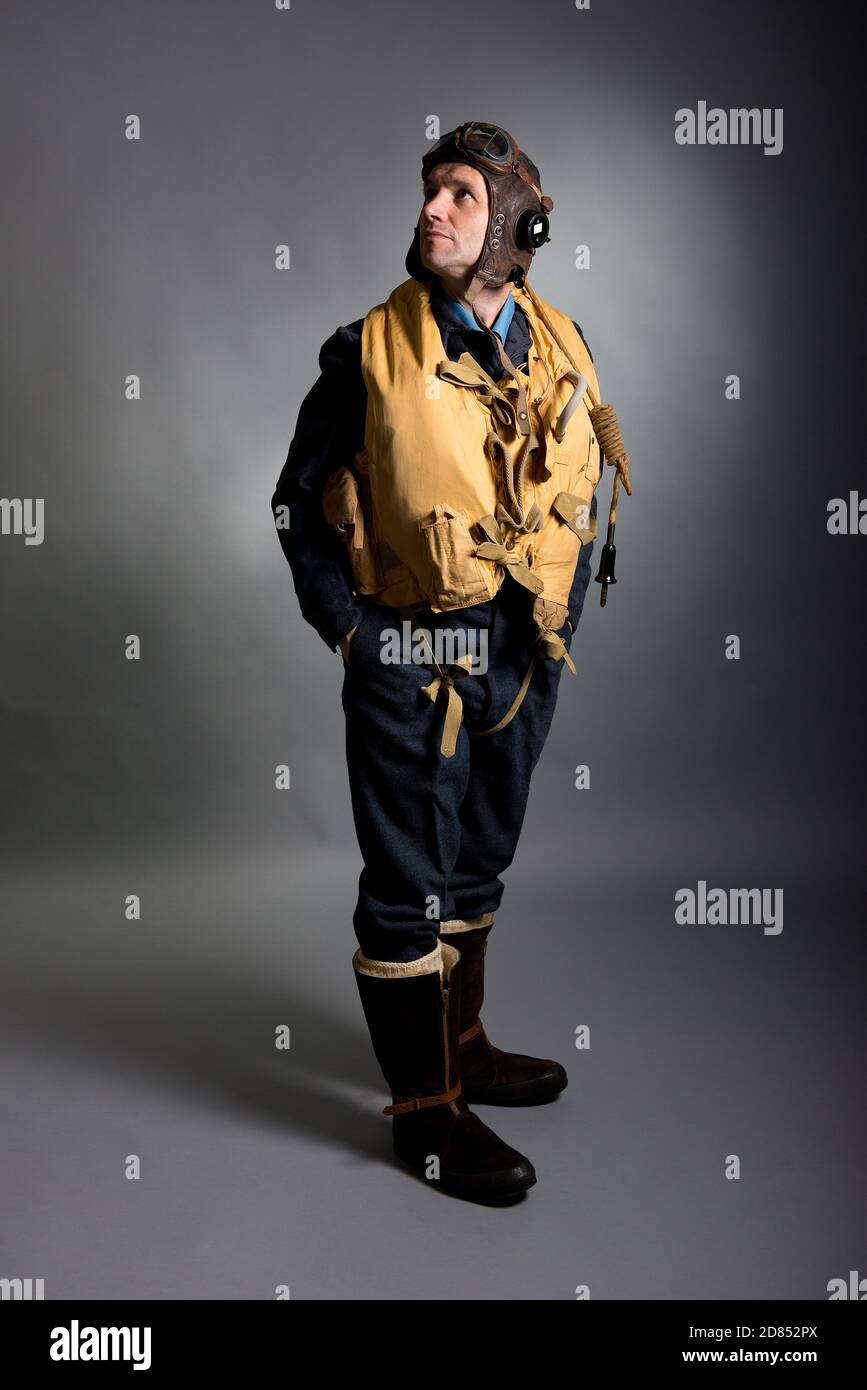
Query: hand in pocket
x=345 y=643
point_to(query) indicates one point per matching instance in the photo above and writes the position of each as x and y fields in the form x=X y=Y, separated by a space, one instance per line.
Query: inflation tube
x=571 y=405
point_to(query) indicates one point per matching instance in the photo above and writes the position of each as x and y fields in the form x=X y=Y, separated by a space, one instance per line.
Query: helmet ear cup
x=532 y=229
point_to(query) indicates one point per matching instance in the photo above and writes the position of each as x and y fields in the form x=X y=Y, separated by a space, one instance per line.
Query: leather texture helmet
x=517 y=208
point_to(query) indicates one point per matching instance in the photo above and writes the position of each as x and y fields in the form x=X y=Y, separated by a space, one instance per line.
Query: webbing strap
x=547 y=644
x=515 y=705
x=444 y=680
x=494 y=549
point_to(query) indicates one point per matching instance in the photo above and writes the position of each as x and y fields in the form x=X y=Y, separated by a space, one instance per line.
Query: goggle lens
x=489 y=142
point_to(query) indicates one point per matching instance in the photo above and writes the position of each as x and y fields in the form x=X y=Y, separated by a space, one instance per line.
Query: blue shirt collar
x=460 y=314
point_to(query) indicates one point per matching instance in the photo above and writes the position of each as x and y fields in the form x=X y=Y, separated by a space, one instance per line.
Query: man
x=441 y=481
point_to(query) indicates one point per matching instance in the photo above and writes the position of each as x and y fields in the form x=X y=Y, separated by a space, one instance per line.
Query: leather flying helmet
x=517 y=208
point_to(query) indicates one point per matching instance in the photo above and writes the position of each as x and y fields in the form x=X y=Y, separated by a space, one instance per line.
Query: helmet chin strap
x=513 y=477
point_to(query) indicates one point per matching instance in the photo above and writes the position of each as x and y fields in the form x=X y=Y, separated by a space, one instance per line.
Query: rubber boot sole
x=537 y=1092
x=488 y=1188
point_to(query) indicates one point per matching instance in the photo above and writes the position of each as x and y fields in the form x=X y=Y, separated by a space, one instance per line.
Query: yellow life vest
x=433 y=522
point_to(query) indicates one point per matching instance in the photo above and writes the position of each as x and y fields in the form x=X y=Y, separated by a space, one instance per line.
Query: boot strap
x=419 y=1102
x=471 y=1032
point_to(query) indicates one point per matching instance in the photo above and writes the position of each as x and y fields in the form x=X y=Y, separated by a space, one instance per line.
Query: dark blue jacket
x=329 y=432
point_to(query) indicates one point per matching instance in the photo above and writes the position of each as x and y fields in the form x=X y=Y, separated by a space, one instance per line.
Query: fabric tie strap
x=551 y=644
x=445 y=680
x=547 y=644
x=494 y=549
x=467 y=372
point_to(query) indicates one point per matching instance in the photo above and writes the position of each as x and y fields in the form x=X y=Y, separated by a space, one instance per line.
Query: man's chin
x=442 y=265
x=432 y=262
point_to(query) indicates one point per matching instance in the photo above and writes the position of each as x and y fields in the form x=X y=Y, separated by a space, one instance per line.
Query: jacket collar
x=456 y=325
x=454 y=314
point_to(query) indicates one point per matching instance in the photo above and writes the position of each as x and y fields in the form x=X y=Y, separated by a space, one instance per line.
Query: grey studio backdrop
x=155 y=1038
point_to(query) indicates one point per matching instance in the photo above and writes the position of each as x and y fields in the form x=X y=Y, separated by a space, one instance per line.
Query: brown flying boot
x=413 y=1014
x=489 y=1076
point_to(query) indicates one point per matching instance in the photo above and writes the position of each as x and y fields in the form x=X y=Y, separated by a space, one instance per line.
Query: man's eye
x=428 y=193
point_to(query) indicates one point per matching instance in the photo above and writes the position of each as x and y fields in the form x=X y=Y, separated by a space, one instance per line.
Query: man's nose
x=435 y=208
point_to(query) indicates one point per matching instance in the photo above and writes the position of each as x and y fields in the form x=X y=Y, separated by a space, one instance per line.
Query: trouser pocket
x=354 y=652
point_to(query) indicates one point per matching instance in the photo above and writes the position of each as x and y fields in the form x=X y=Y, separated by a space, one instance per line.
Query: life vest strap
x=548 y=644
x=444 y=680
x=494 y=549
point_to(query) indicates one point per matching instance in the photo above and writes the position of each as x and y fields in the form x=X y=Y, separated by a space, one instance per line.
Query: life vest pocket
x=343 y=509
x=593 y=470
x=455 y=577
x=579 y=460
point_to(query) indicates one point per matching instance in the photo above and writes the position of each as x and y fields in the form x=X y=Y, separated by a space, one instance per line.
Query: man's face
x=453 y=220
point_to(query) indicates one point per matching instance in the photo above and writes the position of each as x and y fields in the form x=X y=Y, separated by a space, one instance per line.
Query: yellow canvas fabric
x=431 y=471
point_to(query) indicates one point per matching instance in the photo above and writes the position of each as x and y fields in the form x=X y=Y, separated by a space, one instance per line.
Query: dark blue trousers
x=435 y=832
